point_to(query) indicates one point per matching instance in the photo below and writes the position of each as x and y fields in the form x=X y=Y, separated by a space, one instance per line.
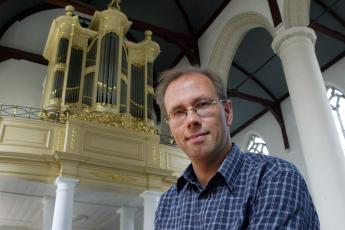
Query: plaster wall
x=23 y=36
x=267 y=128
x=21 y=83
x=335 y=76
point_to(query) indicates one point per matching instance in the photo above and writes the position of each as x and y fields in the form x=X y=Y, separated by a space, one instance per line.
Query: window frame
x=338 y=111
x=261 y=146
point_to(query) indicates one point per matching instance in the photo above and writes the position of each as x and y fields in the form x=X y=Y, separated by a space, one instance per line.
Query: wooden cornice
x=253 y=78
x=331 y=12
x=8 y=53
x=275 y=13
x=272 y=106
x=213 y=17
x=325 y=30
x=185 y=17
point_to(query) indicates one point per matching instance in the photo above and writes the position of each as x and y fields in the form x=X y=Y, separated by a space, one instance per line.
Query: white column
x=127 y=218
x=63 y=211
x=151 y=199
x=320 y=143
x=48 y=212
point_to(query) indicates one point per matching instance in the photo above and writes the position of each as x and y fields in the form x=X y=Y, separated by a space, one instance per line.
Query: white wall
x=335 y=76
x=22 y=35
x=12 y=228
x=21 y=83
x=267 y=128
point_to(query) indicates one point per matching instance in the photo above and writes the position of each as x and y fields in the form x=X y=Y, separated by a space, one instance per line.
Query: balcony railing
x=33 y=113
x=57 y=116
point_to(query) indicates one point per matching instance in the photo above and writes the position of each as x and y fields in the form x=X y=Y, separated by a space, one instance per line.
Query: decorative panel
x=25 y=136
x=176 y=159
x=112 y=146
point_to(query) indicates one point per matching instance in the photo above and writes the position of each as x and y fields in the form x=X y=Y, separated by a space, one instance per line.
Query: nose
x=192 y=119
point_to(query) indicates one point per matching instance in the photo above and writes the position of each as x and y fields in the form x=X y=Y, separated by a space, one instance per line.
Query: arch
x=296 y=13
x=230 y=38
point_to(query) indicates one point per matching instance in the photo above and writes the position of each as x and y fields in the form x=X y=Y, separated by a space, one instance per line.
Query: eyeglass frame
x=212 y=104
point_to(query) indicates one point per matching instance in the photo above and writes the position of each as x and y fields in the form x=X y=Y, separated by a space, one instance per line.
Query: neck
x=206 y=169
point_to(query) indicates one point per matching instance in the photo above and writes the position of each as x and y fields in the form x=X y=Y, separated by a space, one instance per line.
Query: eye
x=203 y=104
x=178 y=112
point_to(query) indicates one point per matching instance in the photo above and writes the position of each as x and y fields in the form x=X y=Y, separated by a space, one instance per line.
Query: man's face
x=201 y=138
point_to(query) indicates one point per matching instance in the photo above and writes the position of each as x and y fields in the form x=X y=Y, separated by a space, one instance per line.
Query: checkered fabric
x=249 y=191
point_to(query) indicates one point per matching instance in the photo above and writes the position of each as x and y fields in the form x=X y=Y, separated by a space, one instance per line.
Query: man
x=223 y=188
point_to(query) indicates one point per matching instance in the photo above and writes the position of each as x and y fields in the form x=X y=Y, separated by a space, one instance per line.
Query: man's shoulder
x=267 y=165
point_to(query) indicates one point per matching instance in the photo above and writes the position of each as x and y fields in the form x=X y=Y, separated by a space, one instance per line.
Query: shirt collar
x=229 y=169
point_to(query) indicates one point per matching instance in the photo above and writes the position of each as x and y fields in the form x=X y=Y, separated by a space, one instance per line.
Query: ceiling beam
x=333 y=61
x=161 y=32
x=259 y=100
x=254 y=118
x=275 y=12
x=22 y=15
x=213 y=17
x=8 y=53
x=253 y=78
x=194 y=57
x=331 y=12
x=249 y=122
x=79 y=6
x=185 y=17
x=137 y=24
x=325 y=30
x=272 y=106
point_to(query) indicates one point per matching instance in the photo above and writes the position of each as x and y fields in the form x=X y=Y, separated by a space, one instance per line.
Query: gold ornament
x=118 y=120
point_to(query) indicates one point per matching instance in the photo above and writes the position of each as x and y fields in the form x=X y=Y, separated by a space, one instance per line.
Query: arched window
x=337 y=102
x=257 y=145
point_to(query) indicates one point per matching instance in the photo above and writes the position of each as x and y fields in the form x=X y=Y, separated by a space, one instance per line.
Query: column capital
x=293 y=34
x=126 y=210
x=66 y=182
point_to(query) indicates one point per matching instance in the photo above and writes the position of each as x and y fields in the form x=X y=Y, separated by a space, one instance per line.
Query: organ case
x=97 y=68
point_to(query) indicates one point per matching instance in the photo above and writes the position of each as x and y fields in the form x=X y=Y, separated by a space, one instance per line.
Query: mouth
x=198 y=137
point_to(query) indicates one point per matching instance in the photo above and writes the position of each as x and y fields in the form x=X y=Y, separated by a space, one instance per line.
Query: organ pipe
x=97 y=67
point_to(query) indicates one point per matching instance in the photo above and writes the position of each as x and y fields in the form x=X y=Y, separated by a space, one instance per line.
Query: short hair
x=168 y=76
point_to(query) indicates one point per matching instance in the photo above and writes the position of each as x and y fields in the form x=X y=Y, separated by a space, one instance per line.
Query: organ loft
x=101 y=84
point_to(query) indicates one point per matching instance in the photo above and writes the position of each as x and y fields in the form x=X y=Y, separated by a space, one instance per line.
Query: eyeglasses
x=202 y=108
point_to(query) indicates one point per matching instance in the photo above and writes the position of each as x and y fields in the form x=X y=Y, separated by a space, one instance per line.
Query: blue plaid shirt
x=249 y=191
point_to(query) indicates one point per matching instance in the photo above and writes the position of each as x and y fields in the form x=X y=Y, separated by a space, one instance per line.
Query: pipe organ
x=97 y=67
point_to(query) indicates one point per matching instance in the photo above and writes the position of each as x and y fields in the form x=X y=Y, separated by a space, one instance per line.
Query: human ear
x=228 y=112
